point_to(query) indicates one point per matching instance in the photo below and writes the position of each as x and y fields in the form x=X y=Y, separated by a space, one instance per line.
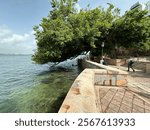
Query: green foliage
x=65 y=32
x=54 y=33
x=130 y=31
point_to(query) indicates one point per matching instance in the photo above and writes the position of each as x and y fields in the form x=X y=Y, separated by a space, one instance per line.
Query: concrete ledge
x=94 y=65
x=81 y=97
x=89 y=94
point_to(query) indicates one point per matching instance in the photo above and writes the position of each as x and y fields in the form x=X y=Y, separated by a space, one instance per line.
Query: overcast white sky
x=17 y=18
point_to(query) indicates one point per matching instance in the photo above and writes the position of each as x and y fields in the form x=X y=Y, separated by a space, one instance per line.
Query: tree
x=66 y=33
x=132 y=30
x=105 y=22
x=54 y=33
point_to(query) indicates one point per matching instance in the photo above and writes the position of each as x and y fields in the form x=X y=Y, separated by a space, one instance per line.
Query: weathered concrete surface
x=94 y=65
x=105 y=77
x=139 y=83
x=115 y=61
x=81 y=97
x=85 y=97
x=120 y=100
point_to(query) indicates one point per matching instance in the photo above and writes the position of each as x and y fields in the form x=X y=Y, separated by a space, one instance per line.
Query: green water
x=26 y=87
x=45 y=97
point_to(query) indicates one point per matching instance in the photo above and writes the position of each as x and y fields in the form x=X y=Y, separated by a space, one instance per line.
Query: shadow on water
x=61 y=72
x=56 y=69
x=57 y=103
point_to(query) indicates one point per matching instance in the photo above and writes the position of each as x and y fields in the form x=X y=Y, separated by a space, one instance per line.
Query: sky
x=17 y=18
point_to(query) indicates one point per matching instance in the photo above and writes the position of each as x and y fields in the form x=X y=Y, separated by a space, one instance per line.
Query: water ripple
x=28 y=87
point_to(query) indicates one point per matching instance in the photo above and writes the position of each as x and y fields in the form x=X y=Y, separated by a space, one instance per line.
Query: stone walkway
x=139 y=82
x=135 y=98
x=120 y=100
x=87 y=97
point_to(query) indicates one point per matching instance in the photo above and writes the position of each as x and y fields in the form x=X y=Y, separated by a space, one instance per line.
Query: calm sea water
x=28 y=87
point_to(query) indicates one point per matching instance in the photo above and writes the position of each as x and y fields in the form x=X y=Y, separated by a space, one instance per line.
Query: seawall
x=82 y=97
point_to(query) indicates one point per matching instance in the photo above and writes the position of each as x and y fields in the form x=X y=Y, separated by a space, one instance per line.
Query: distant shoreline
x=15 y=54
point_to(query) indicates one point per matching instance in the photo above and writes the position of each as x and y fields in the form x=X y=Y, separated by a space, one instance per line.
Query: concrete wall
x=94 y=65
x=89 y=64
x=140 y=63
x=116 y=61
x=140 y=66
x=148 y=68
x=81 y=97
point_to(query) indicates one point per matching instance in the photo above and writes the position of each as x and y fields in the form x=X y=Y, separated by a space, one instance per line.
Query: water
x=28 y=87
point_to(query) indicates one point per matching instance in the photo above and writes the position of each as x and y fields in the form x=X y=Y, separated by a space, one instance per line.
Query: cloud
x=4 y=31
x=13 y=43
x=15 y=38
